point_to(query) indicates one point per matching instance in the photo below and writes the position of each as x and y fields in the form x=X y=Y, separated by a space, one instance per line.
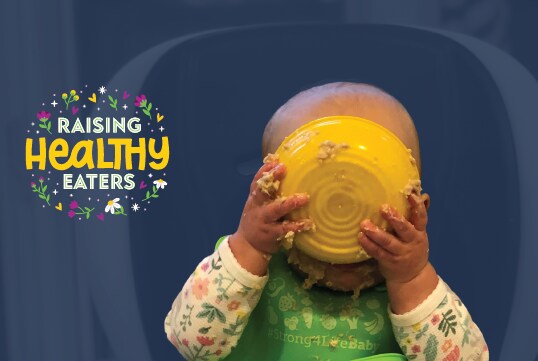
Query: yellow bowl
x=350 y=166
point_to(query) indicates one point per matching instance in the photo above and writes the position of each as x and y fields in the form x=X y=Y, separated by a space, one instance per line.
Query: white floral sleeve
x=439 y=329
x=210 y=313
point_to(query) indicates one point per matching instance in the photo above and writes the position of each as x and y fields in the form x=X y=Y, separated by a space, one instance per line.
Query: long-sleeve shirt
x=225 y=312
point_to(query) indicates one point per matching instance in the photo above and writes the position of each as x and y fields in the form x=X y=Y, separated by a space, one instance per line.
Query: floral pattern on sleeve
x=210 y=313
x=447 y=333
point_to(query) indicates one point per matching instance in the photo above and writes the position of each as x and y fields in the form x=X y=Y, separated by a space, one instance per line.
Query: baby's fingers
x=264 y=168
x=282 y=206
x=382 y=238
x=294 y=226
x=419 y=213
x=267 y=181
x=373 y=249
x=403 y=228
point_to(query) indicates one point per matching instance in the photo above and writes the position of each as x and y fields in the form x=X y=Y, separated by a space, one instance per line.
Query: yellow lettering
x=40 y=157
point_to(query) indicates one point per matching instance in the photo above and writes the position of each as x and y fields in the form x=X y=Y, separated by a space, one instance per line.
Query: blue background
x=465 y=70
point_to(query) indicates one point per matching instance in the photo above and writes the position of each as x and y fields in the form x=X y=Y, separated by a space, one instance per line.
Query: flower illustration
x=185 y=342
x=41 y=190
x=68 y=99
x=218 y=352
x=139 y=99
x=160 y=183
x=142 y=103
x=199 y=288
x=43 y=115
x=435 y=319
x=234 y=305
x=415 y=348
x=447 y=345
x=44 y=122
x=205 y=341
x=82 y=211
x=205 y=266
x=114 y=207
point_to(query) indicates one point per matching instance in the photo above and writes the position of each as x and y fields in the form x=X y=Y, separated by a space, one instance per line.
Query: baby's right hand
x=261 y=226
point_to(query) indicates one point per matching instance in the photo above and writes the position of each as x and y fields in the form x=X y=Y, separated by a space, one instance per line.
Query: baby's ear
x=426 y=199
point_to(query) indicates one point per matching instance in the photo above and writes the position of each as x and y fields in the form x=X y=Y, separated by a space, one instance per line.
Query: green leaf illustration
x=204 y=330
x=448 y=323
x=431 y=348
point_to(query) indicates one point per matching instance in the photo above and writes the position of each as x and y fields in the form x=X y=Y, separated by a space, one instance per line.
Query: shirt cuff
x=237 y=271
x=423 y=310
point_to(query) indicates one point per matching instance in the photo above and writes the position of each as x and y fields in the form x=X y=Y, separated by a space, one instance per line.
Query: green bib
x=291 y=323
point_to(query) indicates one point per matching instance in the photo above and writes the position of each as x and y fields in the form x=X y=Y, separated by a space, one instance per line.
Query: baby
x=245 y=302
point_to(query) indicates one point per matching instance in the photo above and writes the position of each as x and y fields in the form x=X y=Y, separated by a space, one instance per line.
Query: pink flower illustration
x=43 y=115
x=435 y=319
x=143 y=104
x=44 y=122
x=199 y=288
x=205 y=266
x=447 y=345
x=32 y=184
x=41 y=179
x=71 y=213
x=415 y=348
x=185 y=342
x=204 y=340
x=73 y=205
x=234 y=305
x=139 y=100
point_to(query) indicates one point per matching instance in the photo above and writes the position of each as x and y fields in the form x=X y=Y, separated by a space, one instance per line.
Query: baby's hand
x=261 y=225
x=404 y=255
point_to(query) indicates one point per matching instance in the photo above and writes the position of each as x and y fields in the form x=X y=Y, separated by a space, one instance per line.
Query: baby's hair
x=339 y=94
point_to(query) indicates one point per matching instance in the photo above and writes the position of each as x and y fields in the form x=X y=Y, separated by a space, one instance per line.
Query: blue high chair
x=475 y=111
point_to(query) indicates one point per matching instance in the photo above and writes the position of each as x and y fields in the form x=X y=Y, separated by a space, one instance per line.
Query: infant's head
x=341 y=98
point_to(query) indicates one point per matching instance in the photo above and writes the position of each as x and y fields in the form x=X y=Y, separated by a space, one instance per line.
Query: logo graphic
x=97 y=155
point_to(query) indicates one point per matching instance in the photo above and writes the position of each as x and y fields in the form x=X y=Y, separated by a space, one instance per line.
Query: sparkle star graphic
x=102 y=90
x=150 y=175
x=161 y=128
x=55 y=192
x=125 y=106
x=135 y=207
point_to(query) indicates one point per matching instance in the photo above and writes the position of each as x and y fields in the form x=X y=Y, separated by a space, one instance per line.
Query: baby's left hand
x=404 y=255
